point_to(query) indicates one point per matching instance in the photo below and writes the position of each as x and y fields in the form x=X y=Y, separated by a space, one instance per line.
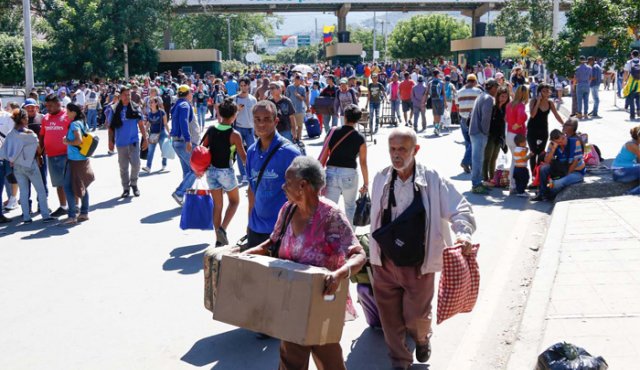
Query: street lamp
x=229 y=33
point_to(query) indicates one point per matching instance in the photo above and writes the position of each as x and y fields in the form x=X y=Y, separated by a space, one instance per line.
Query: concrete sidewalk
x=586 y=290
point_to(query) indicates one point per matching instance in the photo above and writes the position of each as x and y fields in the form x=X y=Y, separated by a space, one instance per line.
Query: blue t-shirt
x=572 y=151
x=127 y=134
x=232 y=87
x=269 y=197
x=73 y=152
x=156 y=121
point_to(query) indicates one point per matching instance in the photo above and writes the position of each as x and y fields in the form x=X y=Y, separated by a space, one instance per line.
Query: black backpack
x=635 y=69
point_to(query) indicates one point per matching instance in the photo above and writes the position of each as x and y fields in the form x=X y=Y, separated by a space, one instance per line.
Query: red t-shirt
x=405 y=89
x=54 y=128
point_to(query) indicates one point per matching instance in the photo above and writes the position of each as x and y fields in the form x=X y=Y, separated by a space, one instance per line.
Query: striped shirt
x=466 y=99
x=520 y=156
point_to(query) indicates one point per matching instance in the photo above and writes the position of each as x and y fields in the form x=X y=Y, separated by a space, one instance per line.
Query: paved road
x=124 y=290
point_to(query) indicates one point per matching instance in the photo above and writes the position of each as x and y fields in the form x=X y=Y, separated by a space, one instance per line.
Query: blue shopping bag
x=197 y=211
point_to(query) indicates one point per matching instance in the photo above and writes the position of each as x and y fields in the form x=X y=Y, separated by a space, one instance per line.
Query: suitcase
x=324 y=105
x=212 y=257
x=313 y=127
x=369 y=306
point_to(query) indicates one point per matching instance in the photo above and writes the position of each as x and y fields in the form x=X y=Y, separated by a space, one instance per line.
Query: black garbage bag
x=362 y=217
x=566 y=356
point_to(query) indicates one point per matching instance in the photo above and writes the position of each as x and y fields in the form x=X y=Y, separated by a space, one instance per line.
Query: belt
x=176 y=138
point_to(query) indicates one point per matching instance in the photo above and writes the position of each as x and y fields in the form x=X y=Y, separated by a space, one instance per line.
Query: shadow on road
x=109 y=203
x=233 y=350
x=40 y=229
x=186 y=260
x=160 y=217
x=369 y=352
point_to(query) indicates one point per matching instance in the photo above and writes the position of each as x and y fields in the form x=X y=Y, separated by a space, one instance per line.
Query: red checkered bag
x=459 y=282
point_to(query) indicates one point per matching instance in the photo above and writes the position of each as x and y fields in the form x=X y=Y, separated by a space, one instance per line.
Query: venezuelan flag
x=327 y=33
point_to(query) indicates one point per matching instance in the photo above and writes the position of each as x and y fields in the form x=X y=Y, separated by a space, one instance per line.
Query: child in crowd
x=520 y=172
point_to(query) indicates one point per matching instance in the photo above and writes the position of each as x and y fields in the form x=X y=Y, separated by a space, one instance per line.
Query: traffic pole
x=28 y=52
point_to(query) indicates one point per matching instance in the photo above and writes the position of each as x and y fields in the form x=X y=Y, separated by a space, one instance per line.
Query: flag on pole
x=327 y=33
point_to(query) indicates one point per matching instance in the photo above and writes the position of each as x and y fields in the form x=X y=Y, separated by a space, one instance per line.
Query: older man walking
x=479 y=123
x=415 y=207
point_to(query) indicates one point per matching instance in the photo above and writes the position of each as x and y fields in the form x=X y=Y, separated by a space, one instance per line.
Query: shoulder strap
x=288 y=215
x=266 y=162
x=340 y=141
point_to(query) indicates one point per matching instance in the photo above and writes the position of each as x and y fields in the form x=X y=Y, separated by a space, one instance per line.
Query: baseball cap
x=471 y=77
x=420 y=79
x=183 y=89
x=343 y=81
x=374 y=75
x=29 y=103
x=499 y=75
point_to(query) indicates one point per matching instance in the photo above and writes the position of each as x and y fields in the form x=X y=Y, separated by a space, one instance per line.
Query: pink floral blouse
x=324 y=242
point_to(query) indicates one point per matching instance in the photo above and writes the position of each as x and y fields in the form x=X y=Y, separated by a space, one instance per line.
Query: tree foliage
x=524 y=21
x=609 y=19
x=426 y=36
x=233 y=66
x=305 y=54
x=364 y=36
x=206 y=31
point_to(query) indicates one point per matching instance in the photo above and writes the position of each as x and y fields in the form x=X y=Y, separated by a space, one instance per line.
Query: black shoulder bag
x=288 y=215
x=403 y=239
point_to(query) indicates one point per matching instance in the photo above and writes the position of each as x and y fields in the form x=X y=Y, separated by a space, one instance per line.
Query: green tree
x=426 y=36
x=12 y=59
x=206 y=31
x=364 y=36
x=609 y=19
x=524 y=21
x=301 y=55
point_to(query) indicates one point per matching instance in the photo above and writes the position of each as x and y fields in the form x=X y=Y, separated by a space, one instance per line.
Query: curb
x=526 y=349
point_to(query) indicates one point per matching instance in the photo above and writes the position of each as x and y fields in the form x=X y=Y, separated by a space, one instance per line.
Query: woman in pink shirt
x=516 y=117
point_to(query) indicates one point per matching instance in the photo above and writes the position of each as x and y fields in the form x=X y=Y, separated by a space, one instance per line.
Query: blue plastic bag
x=197 y=211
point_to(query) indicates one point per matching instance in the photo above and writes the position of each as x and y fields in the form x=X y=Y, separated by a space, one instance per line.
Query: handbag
x=197 y=211
x=144 y=153
x=154 y=138
x=166 y=147
x=274 y=250
x=325 y=148
x=403 y=239
x=362 y=217
x=89 y=144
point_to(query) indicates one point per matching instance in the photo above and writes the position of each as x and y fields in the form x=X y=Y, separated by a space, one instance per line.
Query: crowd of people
x=259 y=117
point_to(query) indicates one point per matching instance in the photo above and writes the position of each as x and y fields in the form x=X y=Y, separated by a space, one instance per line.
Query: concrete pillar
x=342 y=17
x=166 y=38
x=28 y=58
x=556 y=19
x=474 y=20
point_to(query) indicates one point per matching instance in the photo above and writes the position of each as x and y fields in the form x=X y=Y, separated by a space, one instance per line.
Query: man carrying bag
x=411 y=213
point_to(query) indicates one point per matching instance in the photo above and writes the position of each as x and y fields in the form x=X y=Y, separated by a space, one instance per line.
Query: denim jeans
x=464 y=127
x=342 y=180
x=596 y=99
x=478 y=145
x=627 y=174
x=152 y=149
x=326 y=118
x=559 y=184
x=92 y=118
x=71 y=197
x=24 y=175
x=417 y=112
x=582 y=91
x=43 y=173
x=287 y=135
x=633 y=101
x=202 y=114
x=248 y=138
x=188 y=177
x=374 y=113
x=395 y=111
x=3 y=173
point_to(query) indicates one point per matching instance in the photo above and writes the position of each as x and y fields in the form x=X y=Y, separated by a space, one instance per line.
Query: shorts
x=438 y=107
x=56 y=166
x=407 y=105
x=299 y=120
x=221 y=178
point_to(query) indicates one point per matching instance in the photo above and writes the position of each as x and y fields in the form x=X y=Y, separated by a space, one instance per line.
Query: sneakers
x=25 y=222
x=83 y=218
x=110 y=152
x=163 y=168
x=221 y=236
x=436 y=130
x=146 y=169
x=136 y=191
x=423 y=352
x=539 y=198
x=177 y=198
x=12 y=203
x=4 y=219
x=48 y=220
x=489 y=184
x=59 y=212
x=480 y=190
x=466 y=168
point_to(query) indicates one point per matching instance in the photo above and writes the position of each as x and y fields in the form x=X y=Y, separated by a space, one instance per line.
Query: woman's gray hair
x=310 y=169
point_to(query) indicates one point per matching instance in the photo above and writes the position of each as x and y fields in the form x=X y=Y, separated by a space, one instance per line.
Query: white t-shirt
x=627 y=66
x=414 y=77
x=6 y=125
x=80 y=99
x=92 y=99
x=245 y=116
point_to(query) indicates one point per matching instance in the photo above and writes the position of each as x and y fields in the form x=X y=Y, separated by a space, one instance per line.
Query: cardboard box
x=280 y=298
x=212 y=257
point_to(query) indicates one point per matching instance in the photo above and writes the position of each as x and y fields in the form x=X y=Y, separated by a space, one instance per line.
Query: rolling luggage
x=313 y=126
x=368 y=303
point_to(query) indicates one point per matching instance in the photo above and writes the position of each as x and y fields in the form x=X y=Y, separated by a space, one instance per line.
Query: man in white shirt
x=64 y=99
x=80 y=96
x=244 y=120
x=466 y=99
